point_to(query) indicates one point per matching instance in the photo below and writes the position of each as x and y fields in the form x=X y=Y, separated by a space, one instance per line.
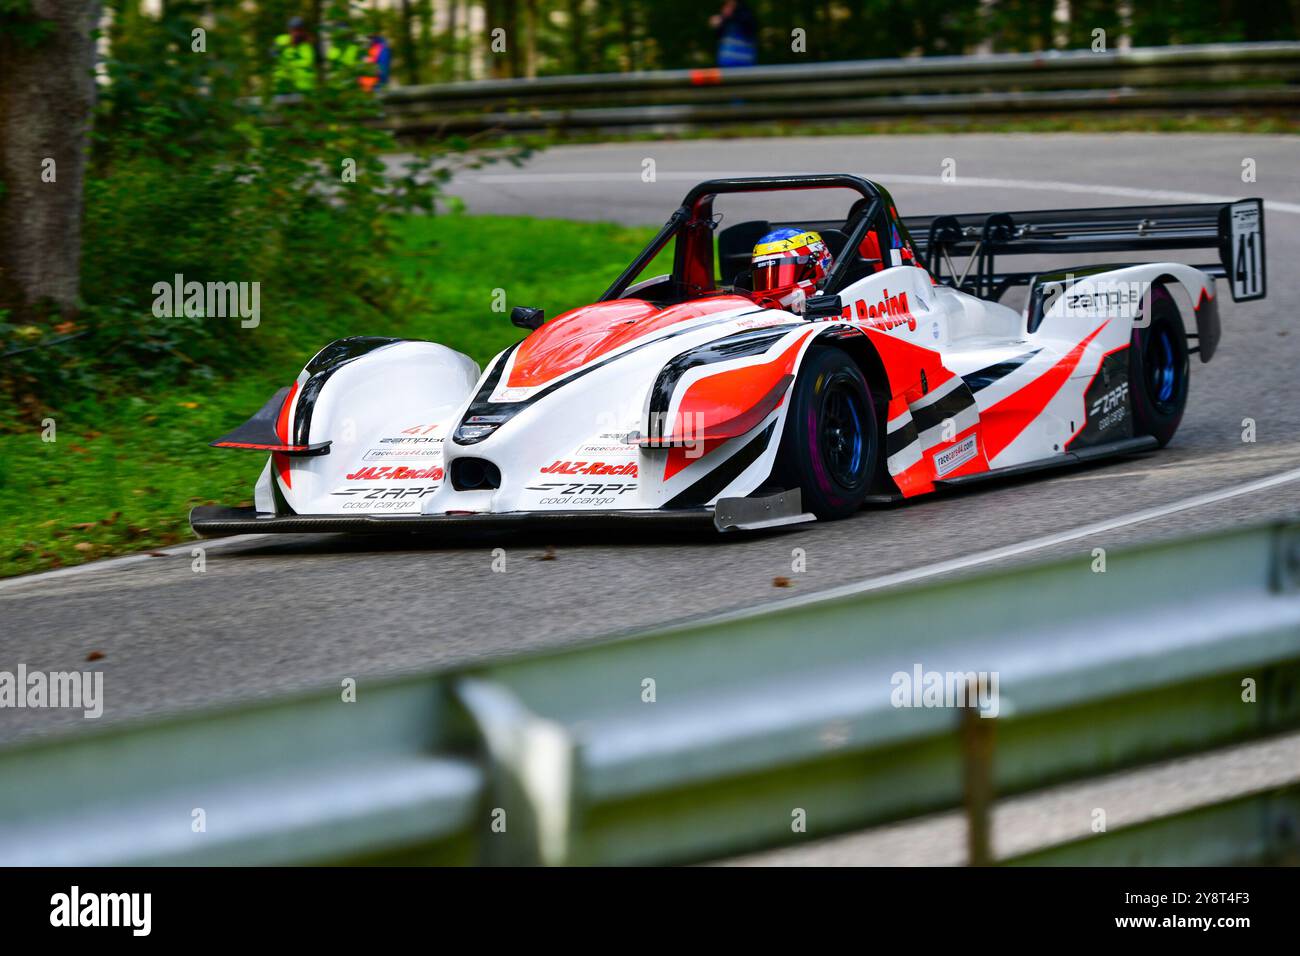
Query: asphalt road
x=270 y=614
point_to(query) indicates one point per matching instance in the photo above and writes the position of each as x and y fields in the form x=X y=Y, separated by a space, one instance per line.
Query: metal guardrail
x=756 y=715
x=1210 y=77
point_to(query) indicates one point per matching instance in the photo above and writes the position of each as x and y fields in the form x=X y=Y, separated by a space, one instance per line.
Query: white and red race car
x=687 y=397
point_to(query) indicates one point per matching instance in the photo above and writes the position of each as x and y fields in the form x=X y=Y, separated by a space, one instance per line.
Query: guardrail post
x=977 y=741
x=529 y=777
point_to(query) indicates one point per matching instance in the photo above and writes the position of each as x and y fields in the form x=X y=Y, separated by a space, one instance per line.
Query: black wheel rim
x=843 y=438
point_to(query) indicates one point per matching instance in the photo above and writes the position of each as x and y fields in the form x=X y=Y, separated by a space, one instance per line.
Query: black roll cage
x=695 y=214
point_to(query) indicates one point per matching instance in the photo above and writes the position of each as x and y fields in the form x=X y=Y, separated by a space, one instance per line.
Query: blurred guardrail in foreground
x=1211 y=78
x=757 y=716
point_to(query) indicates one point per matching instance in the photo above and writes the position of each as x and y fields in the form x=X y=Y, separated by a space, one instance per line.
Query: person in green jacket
x=295 y=59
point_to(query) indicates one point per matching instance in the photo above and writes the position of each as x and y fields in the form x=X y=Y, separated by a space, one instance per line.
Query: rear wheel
x=831 y=443
x=1159 y=370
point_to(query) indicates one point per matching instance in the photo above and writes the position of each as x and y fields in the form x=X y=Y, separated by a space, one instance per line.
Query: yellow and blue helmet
x=789 y=258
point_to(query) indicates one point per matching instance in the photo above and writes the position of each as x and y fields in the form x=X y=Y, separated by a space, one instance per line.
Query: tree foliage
x=191 y=176
x=590 y=36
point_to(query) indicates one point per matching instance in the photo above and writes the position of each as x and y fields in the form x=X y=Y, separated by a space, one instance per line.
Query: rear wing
x=1235 y=230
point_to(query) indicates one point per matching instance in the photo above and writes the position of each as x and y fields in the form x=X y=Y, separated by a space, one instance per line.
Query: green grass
x=1262 y=123
x=125 y=470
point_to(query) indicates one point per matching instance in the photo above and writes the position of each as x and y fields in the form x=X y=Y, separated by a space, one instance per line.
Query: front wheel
x=831 y=444
x=1158 y=369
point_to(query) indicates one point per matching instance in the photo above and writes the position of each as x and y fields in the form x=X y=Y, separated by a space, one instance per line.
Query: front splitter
x=730 y=514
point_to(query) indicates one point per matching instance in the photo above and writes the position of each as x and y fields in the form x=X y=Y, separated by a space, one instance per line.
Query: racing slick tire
x=831 y=445
x=1159 y=369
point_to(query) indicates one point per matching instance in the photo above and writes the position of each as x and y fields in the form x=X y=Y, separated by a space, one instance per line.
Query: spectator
x=737 y=31
x=380 y=57
x=295 y=59
x=342 y=54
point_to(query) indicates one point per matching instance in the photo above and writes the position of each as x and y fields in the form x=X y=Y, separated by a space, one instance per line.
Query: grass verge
x=124 y=470
x=1118 y=122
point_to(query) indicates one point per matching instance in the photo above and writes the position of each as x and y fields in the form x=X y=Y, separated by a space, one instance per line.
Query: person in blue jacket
x=737 y=31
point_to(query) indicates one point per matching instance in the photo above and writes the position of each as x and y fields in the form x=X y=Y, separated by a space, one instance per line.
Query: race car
x=780 y=373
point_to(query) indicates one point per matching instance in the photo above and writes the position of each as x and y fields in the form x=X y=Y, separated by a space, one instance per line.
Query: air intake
x=474 y=474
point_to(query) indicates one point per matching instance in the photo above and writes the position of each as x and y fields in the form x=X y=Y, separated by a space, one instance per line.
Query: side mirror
x=822 y=307
x=526 y=318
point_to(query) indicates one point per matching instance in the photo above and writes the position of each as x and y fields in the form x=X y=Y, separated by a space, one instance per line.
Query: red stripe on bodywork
x=583 y=335
x=906 y=364
x=679 y=456
x=733 y=401
x=258 y=447
x=282 y=432
x=1003 y=422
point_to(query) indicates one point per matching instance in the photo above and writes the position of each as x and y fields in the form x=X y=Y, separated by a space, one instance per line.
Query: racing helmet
x=788 y=264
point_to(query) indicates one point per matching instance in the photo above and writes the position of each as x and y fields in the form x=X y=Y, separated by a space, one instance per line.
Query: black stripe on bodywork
x=900 y=438
x=950 y=406
x=712 y=484
x=502 y=412
x=324 y=364
x=740 y=345
x=993 y=373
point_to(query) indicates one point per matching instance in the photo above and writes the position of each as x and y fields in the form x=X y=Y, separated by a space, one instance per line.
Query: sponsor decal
x=889 y=313
x=1091 y=298
x=577 y=493
x=1106 y=403
x=955 y=456
x=416 y=435
x=370 y=507
x=398 y=473
x=590 y=468
x=401 y=454
x=1107 y=298
x=378 y=494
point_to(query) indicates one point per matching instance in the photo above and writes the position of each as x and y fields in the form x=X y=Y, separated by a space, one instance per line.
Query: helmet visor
x=780 y=273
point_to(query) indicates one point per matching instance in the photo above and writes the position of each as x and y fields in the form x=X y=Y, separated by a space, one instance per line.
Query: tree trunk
x=410 y=62
x=452 y=71
x=514 y=39
x=577 y=34
x=318 y=39
x=47 y=98
x=530 y=38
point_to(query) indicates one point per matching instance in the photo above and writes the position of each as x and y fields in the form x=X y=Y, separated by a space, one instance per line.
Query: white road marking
x=110 y=564
x=911 y=179
x=1011 y=550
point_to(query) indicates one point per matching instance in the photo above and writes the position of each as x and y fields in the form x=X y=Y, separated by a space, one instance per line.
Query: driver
x=788 y=263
